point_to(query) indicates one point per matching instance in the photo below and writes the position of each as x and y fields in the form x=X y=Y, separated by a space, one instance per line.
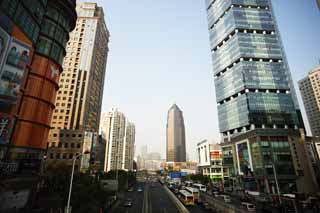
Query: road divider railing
x=177 y=202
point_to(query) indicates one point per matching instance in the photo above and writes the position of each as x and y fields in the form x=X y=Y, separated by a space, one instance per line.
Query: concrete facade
x=210 y=160
x=309 y=88
x=120 y=139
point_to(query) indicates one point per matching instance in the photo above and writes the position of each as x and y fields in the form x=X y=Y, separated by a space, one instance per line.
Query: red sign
x=215 y=155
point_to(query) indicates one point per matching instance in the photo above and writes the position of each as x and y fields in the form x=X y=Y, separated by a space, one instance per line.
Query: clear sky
x=159 y=55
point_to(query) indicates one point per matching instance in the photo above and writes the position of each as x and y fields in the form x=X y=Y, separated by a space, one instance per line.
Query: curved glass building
x=41 y=30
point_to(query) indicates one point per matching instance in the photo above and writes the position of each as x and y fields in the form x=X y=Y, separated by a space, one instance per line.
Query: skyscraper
x=79 y=99
x=120 y=139
x=176 y=144
x=78 y=103
x=257 y=105
x=309 y=87
x=33 y=35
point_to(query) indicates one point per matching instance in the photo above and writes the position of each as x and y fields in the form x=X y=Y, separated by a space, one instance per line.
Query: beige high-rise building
x=176 y=144
x=310 y=92
x=79 y=99
x=129 y=149
x=120 y=139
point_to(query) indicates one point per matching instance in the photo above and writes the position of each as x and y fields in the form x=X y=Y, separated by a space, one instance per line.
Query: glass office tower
x=252 y=80
x=259 y=116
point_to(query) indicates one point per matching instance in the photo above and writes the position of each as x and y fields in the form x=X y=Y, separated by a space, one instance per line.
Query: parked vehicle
x=128 y=203
x=200 y=187
x=226 y=198
x=215 y=194
x=139 y=189
x=248 y=206
x=206 y=206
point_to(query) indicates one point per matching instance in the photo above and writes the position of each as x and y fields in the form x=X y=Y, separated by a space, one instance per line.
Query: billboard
x=215 y=155
x=244 y=157
x=86 y=147
x=13 y=69
x=4 y=45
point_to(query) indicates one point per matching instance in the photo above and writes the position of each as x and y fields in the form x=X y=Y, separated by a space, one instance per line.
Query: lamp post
x=71 y=181
x=276 y=180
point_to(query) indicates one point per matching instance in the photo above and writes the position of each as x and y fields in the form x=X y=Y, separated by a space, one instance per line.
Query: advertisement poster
x=6 y=126
x=13 y=69
x=87 y=144
x=4 y=45
x=244 y=158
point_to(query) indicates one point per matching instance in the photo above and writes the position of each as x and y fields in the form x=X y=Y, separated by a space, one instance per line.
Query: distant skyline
x=159 y=55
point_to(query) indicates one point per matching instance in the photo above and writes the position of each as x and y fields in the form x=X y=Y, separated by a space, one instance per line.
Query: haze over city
x=160 y=55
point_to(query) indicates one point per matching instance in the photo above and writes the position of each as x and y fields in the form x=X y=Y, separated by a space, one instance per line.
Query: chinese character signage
x=6 y=125
x=215 y=155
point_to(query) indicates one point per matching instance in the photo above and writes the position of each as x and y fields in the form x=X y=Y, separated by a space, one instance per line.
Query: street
x=153 y=199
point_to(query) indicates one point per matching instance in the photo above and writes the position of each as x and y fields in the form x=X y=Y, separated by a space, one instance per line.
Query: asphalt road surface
x=153 y=199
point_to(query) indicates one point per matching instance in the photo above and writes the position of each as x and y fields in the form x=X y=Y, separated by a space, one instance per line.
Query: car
x=130 y=189
x=248 y=206
x=139 y=189
x=127 y=203
x=226 y=198
x=206 y=206
x=215 y=194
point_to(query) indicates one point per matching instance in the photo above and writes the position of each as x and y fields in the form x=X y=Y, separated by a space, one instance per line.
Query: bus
x=195 y=193
x=200 y=187
x=186 y=198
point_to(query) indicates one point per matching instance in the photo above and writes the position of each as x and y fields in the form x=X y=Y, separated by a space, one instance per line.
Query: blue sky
x=159 y=55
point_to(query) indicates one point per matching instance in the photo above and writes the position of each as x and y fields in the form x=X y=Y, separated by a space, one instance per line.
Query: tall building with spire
x=259 y=117
x=176 y=142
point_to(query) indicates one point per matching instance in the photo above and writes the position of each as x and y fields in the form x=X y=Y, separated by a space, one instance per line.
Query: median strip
x=176 y=201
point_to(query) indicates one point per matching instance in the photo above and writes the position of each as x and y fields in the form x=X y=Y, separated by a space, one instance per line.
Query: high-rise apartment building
x=78 y=103
x=120 y=139
x=33 y=36
x=176 y=142
x=79 y=99
x=259 y=116
x=129 y=149
x=310 y=92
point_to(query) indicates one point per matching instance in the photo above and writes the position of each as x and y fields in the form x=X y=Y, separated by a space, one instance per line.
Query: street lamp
x=276 y=180
x=70 y=188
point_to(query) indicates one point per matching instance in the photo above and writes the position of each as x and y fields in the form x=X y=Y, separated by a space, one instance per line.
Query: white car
x=226 y=198
x=248 y=206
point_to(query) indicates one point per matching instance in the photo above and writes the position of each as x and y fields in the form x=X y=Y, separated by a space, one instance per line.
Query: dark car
x=206 y=206
x=127 y=203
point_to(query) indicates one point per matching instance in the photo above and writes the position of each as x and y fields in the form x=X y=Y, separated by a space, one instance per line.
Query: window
x=78 y=145
x=66 y=145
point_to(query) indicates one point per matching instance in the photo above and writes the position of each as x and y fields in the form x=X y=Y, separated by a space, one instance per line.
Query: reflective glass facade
x=252 y=80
